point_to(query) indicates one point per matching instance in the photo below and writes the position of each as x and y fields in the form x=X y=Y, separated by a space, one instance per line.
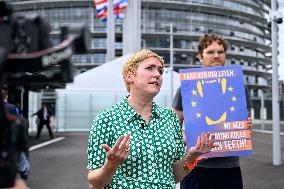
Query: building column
x=132 y=27
x=110 y=33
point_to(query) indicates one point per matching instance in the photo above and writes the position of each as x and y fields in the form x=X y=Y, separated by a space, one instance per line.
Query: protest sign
x=214 y=101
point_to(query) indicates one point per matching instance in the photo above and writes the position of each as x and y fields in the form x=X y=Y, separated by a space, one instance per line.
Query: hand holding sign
x=204 y=144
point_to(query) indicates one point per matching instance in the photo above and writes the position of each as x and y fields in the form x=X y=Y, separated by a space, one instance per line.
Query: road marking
x=45 y=143
x=265 y=131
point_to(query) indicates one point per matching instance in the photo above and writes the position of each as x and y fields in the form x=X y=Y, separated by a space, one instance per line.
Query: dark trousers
x=213 y=178
x=40 y=126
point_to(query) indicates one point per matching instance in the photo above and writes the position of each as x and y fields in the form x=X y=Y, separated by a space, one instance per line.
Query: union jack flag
x=119 y=7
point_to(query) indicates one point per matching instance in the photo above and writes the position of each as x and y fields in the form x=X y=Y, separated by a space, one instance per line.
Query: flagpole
x=92 y=18
x=110 y=33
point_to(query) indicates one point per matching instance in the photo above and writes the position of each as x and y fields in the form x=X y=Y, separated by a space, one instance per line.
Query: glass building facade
x=242 y=22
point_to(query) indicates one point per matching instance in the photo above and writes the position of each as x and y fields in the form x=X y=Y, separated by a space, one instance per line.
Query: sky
x=281 y=42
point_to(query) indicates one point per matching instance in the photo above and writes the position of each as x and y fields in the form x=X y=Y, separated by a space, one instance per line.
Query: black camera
x=27 y=58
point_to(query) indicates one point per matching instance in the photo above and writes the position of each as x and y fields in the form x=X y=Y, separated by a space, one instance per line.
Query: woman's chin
x=154 y=92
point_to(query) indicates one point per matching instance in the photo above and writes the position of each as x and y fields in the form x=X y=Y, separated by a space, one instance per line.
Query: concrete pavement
x=62 y=165
x=257 y=169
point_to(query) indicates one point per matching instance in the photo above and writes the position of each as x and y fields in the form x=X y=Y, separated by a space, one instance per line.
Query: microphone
x=142 y=125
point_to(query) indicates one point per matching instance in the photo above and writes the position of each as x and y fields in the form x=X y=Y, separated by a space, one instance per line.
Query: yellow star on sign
x=232 y=108
x=231 y=89
x=194 y=92
x=198 y=115
x=234 y=99
x=193 y=104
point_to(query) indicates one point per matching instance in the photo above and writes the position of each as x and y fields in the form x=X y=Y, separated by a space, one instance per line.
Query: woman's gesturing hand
x=205 y=142
x=119 y=152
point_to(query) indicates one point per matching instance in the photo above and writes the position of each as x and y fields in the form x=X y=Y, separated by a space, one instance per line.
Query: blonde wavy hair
x=131 y=65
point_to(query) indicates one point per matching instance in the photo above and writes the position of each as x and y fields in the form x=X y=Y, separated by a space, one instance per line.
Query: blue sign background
x=213 y=101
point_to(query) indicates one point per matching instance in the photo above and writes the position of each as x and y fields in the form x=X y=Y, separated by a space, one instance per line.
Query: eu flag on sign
x=214 y=101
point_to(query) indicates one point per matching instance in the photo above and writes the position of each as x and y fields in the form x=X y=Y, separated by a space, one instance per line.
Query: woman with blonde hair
x=136 y=143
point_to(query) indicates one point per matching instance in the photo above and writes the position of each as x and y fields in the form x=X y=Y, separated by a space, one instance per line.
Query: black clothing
x=213 y=178
x=43 y=120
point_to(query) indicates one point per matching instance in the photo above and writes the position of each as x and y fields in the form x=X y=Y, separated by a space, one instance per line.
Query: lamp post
x=171 y=60
x=262 y=110
x=275 y=86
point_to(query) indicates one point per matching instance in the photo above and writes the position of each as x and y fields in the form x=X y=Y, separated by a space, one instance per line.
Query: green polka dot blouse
x=153 y=150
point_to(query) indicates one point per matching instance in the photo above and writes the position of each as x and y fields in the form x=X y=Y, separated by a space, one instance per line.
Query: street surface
x=62 y=165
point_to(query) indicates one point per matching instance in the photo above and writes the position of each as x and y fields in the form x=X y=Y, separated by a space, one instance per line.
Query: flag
x=119 y=7
x=101 y=7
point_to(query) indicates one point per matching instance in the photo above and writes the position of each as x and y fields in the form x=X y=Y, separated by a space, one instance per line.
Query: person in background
x=43 y=115
x=14 y=115
x=19 y=109
x=12 y=109
x=219 y=172
x=136 y=143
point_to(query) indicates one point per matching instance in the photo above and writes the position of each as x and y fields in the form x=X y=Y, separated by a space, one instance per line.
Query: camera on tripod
x=27 y=58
